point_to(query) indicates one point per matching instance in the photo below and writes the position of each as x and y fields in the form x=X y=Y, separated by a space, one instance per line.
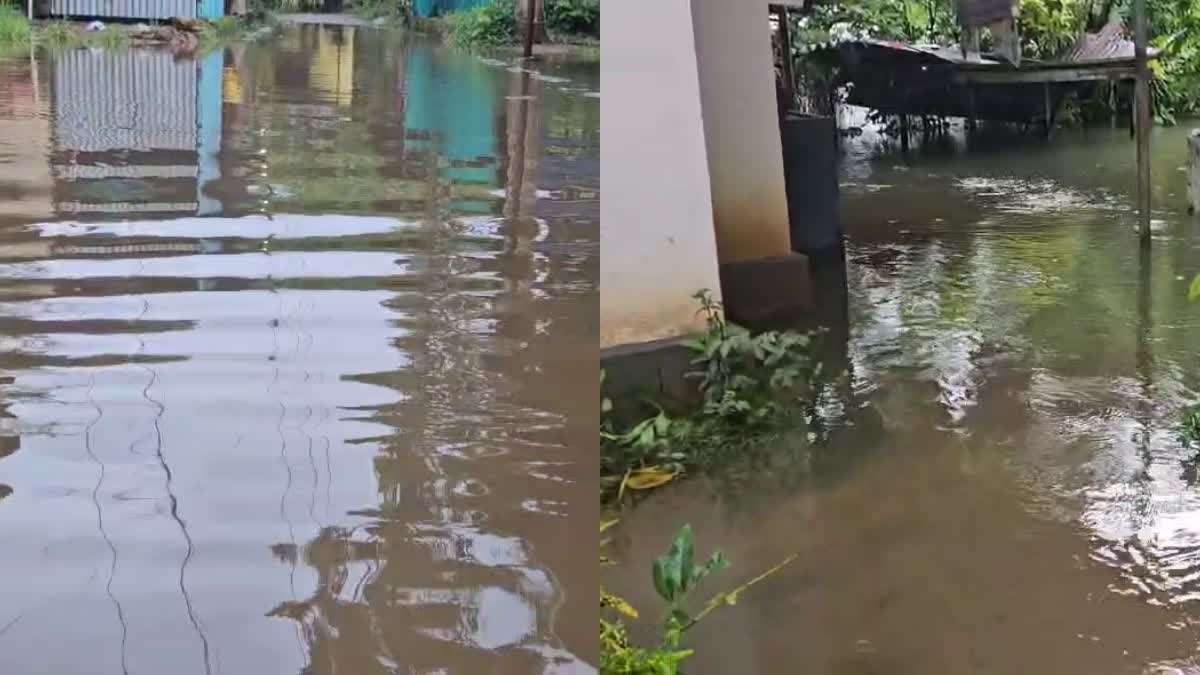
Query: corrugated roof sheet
x=938 y=52
x=1109 y=44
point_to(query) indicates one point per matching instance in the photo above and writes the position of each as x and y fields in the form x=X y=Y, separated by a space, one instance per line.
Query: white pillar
x=656 y=231
x=741 y=128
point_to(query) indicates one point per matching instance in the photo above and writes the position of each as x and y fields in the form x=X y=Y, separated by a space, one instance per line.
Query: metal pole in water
x=1142 y=121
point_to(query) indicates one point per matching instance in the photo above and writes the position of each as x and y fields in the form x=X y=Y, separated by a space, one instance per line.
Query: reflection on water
x=1001 y=489
x=295 y=347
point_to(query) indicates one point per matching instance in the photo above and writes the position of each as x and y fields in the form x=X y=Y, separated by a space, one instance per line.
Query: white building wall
x=656 y=230
x=741 y=128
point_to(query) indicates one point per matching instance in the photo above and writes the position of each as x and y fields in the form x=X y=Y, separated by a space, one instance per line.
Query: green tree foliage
x=1175 y=30
x=1049 y=28
x=489 y=25
x=581 y=17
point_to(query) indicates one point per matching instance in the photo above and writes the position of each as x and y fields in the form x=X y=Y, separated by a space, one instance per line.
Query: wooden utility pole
x=1141 y=98
x=530 y=16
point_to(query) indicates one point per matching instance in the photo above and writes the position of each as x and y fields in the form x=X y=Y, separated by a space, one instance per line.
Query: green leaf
x=1194 y=289
x=662 y=424
x=660 y=579
x=645 y=439
x=673 y=570
x=685 y=553
x=717 y=562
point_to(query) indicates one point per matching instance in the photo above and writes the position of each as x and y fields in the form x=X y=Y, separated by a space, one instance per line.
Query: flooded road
x=298 y=360
x=996 y=486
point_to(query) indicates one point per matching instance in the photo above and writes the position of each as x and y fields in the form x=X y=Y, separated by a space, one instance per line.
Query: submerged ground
x=997 y=486
x=297 y=357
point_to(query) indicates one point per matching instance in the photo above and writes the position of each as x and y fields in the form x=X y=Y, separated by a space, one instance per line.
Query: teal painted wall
x=454 y=97
x=210 y=9
x=431 y=8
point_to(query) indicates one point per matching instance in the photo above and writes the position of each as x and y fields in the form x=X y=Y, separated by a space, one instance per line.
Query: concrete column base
x=654 y=371
x=767 y=290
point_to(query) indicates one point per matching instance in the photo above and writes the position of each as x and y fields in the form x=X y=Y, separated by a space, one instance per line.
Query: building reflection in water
x=135 y=132
x=400 y=459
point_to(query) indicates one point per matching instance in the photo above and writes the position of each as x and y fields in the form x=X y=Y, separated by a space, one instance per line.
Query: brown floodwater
x=995 y=485
x=297 y=346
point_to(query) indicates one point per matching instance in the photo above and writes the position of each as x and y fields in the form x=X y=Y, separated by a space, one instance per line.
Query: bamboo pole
x=1142 y=121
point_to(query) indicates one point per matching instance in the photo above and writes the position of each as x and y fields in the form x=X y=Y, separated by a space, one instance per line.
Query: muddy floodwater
x=995 y=486
x=297 y=360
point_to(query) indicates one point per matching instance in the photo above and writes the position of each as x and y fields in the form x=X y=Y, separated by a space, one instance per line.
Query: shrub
x=489 y=25
x=384 y=9
x=109 y=38
x=59 y=34
x=15 y=30
x=223 y=29
x=573 y=16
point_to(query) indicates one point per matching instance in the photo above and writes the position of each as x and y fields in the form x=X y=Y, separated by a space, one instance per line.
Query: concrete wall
x=656 y=228
x=741 y=127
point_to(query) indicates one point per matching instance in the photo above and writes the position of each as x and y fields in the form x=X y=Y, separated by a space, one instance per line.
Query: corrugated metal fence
x=139 y=9
x=135 y=99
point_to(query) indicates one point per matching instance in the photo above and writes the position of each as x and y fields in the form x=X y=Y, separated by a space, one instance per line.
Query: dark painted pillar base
x=767 y=290
x=811 y=175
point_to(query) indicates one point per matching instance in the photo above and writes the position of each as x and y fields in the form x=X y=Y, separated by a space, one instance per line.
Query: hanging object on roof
x=1006 y=40
x=1000 y=17
x=980 y=13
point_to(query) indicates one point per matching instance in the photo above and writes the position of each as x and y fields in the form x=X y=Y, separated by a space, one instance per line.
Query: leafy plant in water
x=745 y=377
x=645 y=456
x=749 y=383
x=489 y=25
x=676 y=576
x=1189 y=426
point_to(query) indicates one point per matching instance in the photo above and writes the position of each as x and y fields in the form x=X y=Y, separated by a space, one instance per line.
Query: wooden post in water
x=1046 y=109
x=1112 y=104
x=1193 y=171
x=971 y=124
x=1142 y=121
x=530 y=15
x=785 y=49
